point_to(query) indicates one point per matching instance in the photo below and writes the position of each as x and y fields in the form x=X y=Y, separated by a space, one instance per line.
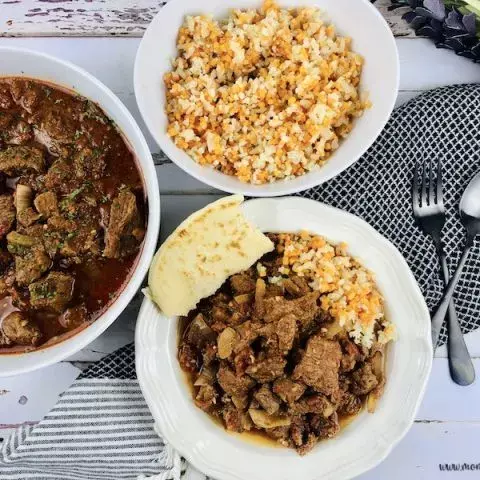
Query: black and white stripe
x=100 y=429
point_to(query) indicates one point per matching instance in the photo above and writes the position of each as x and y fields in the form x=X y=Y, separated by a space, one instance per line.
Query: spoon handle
x=439 y=316
x=460 y=363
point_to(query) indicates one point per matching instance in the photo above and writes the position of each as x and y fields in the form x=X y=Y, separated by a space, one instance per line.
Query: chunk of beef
x=280 y=434
x=28 y=217
x=242 y=283
x=19 y=329
x=26 y=94
x=267 y=400
x=18 y=133
x=351 y=355
x=349 y=404
x=312 y=404
x=16 y=160
x=52 y=292
x=286 y=330
x=320 y=365
x=234 y=385
x=59 y=177
x=7 y=214
x=188 y=358
x=31 y=260
x=235 y=420
x=325 y=427
x=243 y=360
x=363 y=380
x=206 y=397
x=89 y=163
x=301 y=435
x=46 y=204
x=267 y=369
x=305 y=308
x=247 y=333
x=199 y=333
x=124 y=230
x=73 y=317
x=288 y=390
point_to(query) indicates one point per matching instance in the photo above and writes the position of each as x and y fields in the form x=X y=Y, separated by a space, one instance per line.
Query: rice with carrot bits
x=349 y=293
x=264 y=95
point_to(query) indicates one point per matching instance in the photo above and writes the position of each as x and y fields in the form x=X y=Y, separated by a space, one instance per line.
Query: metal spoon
x=470 y=218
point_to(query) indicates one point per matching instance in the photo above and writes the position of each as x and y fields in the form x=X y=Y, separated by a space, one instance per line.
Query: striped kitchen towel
x=100 y=429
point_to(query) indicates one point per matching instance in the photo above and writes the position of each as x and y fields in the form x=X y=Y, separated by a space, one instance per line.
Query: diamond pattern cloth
x=444 y=124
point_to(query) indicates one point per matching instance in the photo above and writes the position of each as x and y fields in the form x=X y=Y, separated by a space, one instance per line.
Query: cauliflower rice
x=349 y=292
x=265 y=95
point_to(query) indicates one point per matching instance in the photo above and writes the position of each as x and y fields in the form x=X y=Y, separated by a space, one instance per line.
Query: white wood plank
x=28 y=397
x=425 y=447
x=106 y=18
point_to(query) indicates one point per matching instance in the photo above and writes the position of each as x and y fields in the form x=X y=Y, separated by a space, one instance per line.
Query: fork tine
x=439 y=183
x=431 y=188
x=424 y=185
x=415 y=196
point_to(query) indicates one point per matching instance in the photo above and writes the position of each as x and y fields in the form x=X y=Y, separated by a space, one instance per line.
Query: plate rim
x=359 y=466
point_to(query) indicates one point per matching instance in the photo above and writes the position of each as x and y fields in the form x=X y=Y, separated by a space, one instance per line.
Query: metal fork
x=429 y=212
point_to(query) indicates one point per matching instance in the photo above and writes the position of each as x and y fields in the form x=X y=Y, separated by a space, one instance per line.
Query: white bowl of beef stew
x=359 y=445
x=80 y=209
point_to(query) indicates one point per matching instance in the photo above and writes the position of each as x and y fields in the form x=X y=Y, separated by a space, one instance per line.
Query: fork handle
x=460 y=363
x=439 y=316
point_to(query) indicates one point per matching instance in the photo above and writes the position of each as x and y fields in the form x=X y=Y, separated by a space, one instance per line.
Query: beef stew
x=264 y=357
x=72 y=213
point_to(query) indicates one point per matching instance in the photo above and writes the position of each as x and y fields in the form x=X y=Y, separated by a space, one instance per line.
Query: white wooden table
x=103 y=37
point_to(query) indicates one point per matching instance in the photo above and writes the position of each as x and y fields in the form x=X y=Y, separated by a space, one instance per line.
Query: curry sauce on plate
x=72 y=213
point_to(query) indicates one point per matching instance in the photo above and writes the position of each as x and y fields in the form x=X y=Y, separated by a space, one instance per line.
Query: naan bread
x=208 y=247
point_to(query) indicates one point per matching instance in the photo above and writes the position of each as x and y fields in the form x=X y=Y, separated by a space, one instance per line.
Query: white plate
x=358 y=19
x=27 y=63
x=363 y=443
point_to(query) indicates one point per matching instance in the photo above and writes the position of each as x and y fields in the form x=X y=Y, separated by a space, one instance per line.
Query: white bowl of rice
x=270 y=98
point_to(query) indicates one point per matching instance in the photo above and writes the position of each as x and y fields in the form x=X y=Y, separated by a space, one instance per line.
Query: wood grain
x=102 y=18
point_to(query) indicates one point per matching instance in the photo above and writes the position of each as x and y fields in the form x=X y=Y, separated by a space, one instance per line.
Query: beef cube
x=305 y=308
x=46 y=204
x=247 y=332
x=206 y=397
x=26 y=94
x=18 y=133
x=280 y=434
x=16 y=160
x=349 y=404
x=243 y=360
x=267 y=400
x=88 y=163
x=268 y=368
x=233 y=385
x=124 y=230
x=288 y=390
x=7 y=214
x=59 y=177
x=286 y=330
x=363 y=380
x=325 y=427
x=308 y=445
x=235 y=420
x=242 y=283
x=52 y=293
x=313 y=404
x=28 y=217
x=18 y=328
x=351 y=355
x=31 y=265
x=320 y=365
x=56 y=130
x=188 y=358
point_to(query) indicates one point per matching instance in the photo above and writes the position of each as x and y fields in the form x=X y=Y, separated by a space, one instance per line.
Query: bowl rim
x=281 y=187
x=157 y=398
x=57 y=352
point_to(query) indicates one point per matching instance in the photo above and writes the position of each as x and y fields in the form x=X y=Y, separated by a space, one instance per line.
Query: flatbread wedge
x=208 y=247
